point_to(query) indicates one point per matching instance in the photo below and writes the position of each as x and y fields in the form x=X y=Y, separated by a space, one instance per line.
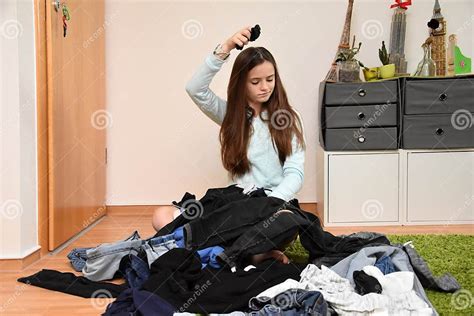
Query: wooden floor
x=18 y=298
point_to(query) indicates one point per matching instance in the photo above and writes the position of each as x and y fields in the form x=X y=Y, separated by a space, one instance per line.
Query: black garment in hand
x=177 y=277
x=212 y=200
x=365 y=284
x=69 y=283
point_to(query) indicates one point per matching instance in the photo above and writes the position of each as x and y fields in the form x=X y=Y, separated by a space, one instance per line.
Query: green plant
x=383 y=55
x=348 y=54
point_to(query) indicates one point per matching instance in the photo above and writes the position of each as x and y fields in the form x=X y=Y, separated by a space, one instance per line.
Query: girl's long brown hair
x=236 y=128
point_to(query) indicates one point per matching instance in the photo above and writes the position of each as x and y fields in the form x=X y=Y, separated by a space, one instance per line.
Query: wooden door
x=77 y=119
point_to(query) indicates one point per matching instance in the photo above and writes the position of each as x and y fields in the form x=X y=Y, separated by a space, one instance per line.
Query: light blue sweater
x=265 y=168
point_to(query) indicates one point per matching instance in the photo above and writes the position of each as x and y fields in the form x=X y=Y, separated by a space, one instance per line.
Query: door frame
x=42 y=87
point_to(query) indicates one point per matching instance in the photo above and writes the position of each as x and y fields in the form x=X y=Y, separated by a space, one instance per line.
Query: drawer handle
x=361 y=139
x=443 y=97
x=361 y=116
x=439 y=131
x=362 y=92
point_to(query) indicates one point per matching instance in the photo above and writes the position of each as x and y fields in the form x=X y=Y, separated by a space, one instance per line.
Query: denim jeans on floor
x=292 y=302
x=135 y=270
x=103 y=261
x=78 y=256
x=157 y=246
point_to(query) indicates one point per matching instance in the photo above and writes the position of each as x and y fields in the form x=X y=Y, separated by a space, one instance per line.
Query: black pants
x=252 y=226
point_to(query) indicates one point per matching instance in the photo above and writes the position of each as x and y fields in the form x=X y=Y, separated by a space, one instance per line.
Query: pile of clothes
x=201 y=263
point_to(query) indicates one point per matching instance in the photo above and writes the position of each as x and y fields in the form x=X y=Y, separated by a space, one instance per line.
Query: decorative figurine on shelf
x=387 y=70
x=397 y=36
x=437 y=29
x=426 y=67
x=457 y=62
x=348 y=68
x=343 y=43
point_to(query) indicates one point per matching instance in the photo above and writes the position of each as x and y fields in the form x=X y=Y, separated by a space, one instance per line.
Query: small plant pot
x=387 y=71
x=348 y=71
x=370 y=74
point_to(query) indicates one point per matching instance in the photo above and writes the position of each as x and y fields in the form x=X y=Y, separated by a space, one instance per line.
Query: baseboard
x=20 y=263
x=127 y=210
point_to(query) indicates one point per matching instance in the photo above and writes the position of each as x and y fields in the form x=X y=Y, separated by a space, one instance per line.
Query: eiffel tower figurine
x=343 y=43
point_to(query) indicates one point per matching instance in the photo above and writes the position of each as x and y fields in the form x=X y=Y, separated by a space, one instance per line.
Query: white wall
x=18 y=171
x=161 y=145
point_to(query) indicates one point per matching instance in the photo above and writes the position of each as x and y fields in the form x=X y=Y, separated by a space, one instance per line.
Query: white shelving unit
x=397 y=187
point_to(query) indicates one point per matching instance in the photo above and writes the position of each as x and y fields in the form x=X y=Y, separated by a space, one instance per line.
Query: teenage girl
x=261 y=134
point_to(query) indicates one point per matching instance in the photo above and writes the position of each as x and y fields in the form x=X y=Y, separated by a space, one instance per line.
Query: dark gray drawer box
x=361 y=93
x=439 y=96
x=361 y=116
x=437 y=131
x=361 y=139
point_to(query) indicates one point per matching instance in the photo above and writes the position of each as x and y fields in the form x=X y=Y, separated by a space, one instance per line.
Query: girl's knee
x=161 y=217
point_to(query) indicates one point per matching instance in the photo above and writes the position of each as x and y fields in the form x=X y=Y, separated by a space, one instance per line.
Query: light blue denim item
x=103 y=261
x=267 y=310
x=292 y=302
x=156 y=247
x=135 y=270
x=78 y=256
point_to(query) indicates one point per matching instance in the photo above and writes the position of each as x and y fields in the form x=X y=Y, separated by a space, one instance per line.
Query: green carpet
x=443 y=253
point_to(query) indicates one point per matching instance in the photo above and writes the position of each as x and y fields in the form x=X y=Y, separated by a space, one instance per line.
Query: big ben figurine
x=437 y=27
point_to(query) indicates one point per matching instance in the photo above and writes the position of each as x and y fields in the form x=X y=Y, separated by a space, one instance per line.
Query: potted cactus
x=348 y=67
x=387 y=70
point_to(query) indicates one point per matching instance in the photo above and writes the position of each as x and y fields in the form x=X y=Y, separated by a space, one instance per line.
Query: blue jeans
x=135 y=270
x=157 y=246
x=292 y=302
x=103 y=261
x=78 y=256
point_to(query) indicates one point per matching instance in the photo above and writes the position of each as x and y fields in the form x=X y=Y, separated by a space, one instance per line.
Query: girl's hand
x=240 y=38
